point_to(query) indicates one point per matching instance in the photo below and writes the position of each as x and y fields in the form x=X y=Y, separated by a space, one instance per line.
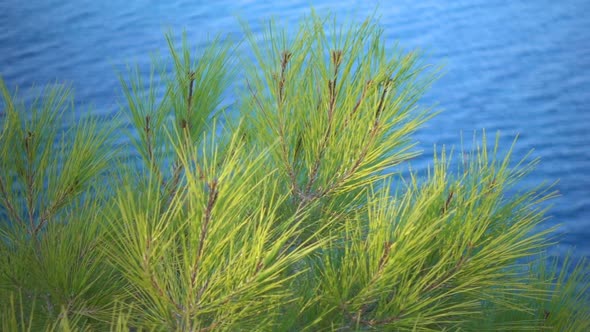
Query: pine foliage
x=296 y=211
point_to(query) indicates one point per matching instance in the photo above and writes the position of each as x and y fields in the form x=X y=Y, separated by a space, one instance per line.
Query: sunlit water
x=518 y=67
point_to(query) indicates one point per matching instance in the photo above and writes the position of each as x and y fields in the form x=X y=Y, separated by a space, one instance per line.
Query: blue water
x=518 y=67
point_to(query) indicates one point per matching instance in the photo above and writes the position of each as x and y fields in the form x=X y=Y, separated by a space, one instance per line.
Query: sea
x=518 y=68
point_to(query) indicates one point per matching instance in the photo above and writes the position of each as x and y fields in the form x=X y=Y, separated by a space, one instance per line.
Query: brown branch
x=191 y=77
x=447 y=203
x=382 y=262
x=177 y=173
x=358 y=103
x=8 y=204
x=61 y=199
x=336 y=57
x=148 y=135
x=150 y=149
x=148 y=269
x=255 y=96
x=185 y=126
x=213 y=194
x=372 y=136
x=210 y=327
x=378 y=322
x=290 y=172
x=441 y=281
x=29 y=179
x=384 y=93
x=202 y=290
x=285 y=58
x=357 y=317
x=281 y=81
x=297 y=148
x=16 y=283
x=202 y=174
x=356 y=164
x=332 y=98
x=280 y=78
x=384 y=257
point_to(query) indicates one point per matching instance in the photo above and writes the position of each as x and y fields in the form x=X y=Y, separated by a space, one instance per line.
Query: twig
x=285 y=57
x=191 y=77
x=29 y=179
x=54 y=207
x=370 y=322
x=148 y=135
x=447 y=203
x=8 y=204
x=175 y=179
x=358 y=103
x=372 y=136
x=438 y=283
x=152 y=278
x=290 y=171
x=336 y=58
x=150 y=148
x=213 y=194
x=384 y=93
x=185 y=126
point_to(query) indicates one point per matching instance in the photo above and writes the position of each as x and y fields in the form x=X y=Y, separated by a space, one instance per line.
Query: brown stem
x=384 y=257
x=148 y=269
x=191 y=77
x=447 y=203
x=384 y=93
x=146 y=265
x=372 y=137
x=29 y=179
x=213 y=194
x=7 y=204
x=441 y=281
x=290 y=172
x=332 y=97
x=211 y=327
x=378 y=322
x=255 y=95
x=202 y=291
x=357 y=318
x=202 y=174
x=382 y=262
x=61 y=199
x=356 y=164
x=280 y=78
x=358 y=103
x=148 y=135
x=150 y=146
x=336 y=57
x=175 y=179
x=285 y=58
x=297 y=148
x=15 y=282
x=185 y=126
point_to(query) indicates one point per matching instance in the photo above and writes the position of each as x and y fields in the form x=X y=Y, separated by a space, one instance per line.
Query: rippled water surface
x=518 y=67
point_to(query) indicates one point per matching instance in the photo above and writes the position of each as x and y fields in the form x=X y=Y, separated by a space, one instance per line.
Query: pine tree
x=293 y=211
